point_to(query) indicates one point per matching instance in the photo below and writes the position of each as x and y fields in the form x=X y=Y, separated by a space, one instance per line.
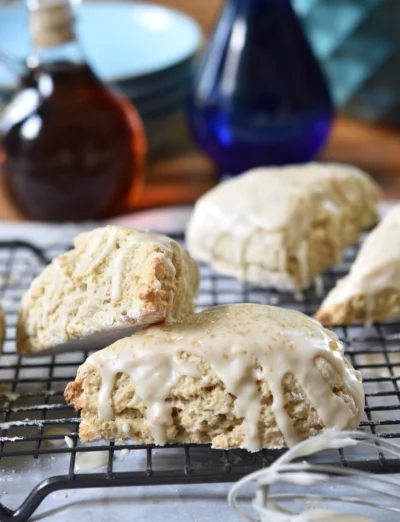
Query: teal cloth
x=358 y=45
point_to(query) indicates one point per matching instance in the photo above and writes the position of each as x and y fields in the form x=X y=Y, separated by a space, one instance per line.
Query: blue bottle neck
x=256 y=9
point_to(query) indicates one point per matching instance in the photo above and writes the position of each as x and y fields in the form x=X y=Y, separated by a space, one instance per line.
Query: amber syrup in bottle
x=73 y=149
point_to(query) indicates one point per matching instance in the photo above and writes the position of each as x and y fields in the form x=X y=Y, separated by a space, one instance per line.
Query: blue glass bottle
x=259 y=96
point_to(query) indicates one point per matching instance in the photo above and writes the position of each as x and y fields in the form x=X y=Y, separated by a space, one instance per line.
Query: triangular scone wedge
x=114 y=281
x=371 y=290
x=282 y=226
x=243 y=375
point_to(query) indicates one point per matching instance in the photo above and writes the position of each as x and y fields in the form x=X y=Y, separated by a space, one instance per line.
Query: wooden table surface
x=180 y=180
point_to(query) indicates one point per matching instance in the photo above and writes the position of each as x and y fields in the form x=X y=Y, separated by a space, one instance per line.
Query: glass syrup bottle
x=72 y=149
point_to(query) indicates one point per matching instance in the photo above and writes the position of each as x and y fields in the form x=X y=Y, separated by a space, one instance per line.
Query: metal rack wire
x=34 y=419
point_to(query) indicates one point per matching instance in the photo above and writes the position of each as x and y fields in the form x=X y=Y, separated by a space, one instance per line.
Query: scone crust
x=281 y=227
x=202 y=409
x=114 y=277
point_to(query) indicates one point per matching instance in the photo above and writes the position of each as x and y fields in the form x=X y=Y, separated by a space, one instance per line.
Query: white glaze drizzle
x=319 y=286
x=108 y=248
x=233 y=339
x=140 y=236
x=68 y=441
x=327 y=515
x=286 y=202
x=369 y=309
x=302 y=259
x=307 y=474
x=92 y=459
x=92 y=248
x=117 y=272
x=335 y=223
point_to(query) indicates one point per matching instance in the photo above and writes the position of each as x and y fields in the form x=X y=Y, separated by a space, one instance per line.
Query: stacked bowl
x=145 y=50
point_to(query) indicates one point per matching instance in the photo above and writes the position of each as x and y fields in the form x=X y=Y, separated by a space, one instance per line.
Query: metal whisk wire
x=284 y=470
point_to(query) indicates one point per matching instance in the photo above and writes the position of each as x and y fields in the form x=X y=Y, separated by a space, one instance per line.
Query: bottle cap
x=51 y=22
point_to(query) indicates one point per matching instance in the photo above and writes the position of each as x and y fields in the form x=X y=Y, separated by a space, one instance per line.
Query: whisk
x=382 y=493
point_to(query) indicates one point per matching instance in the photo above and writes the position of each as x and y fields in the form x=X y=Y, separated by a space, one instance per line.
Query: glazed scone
x=280 y=227
x=113 y=281
x=243 y=375
x=371 y=290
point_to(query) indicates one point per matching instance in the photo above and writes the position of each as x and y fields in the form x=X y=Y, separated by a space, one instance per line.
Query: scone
x=114 y=281
x=371 y=290
x=243 y=375
x=280 y=227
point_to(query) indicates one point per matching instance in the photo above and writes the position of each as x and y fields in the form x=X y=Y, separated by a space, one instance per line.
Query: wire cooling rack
x=34 y=419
